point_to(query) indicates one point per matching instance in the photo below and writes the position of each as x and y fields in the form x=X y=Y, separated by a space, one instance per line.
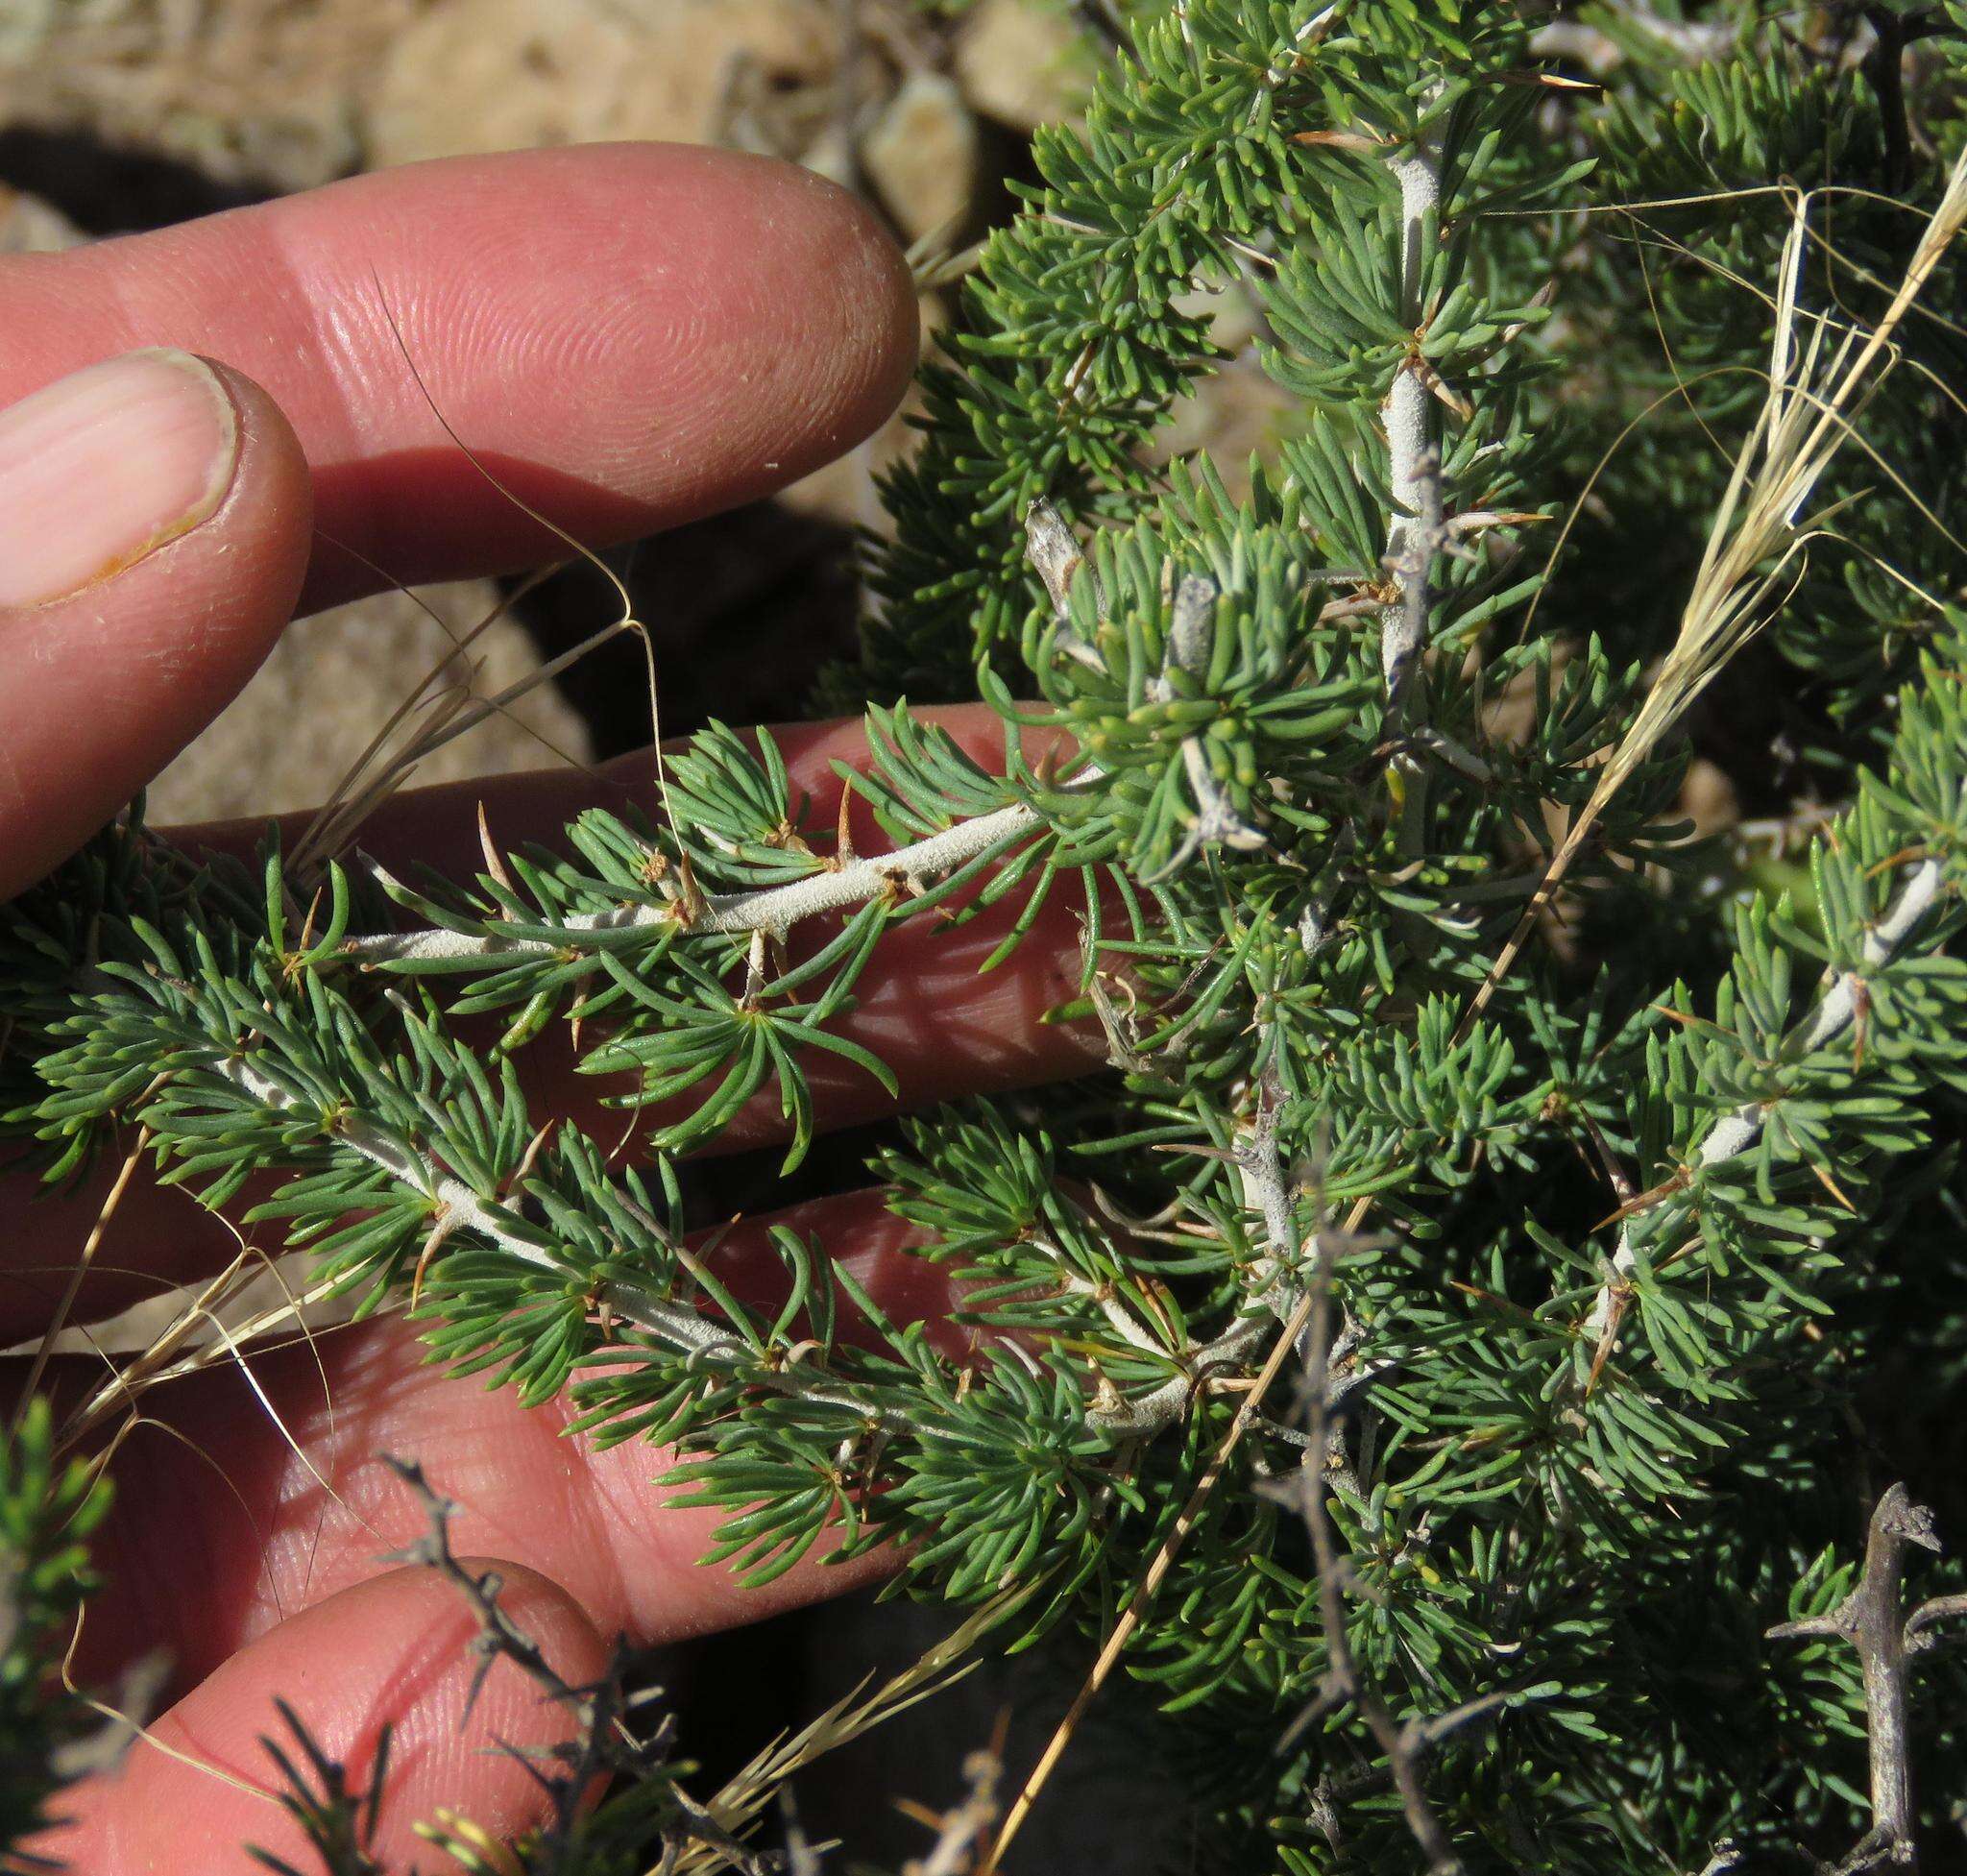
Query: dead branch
x=1406 y=1746
x=607 y=1743
x=1872 y=1620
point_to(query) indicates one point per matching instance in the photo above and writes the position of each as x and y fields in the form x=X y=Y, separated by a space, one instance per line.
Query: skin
x=628 y=337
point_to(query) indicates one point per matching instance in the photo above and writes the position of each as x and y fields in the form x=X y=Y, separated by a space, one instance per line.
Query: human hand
x=627 y=338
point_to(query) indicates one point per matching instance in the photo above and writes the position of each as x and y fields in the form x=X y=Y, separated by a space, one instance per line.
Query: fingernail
x=106 y=466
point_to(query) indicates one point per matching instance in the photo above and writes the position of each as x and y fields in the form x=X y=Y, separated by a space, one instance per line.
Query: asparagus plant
x=1453 y=1327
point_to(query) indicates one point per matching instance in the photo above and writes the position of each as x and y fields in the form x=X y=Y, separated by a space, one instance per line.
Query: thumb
x=199 y=1788
x=155 y=523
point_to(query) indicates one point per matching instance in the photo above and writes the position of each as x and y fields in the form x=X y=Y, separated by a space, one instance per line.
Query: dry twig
x=1405 y=1746
x=1874 y=1620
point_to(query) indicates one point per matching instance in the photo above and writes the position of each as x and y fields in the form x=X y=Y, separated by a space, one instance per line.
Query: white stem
x=1413 y=475
x=1118 y=1316
x=775 y=911
x=1835 y=1013
x=458 y=1208
x=1149 y=1413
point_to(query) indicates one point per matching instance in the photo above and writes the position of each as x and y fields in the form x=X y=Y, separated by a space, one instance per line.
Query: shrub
x=1515 y=1240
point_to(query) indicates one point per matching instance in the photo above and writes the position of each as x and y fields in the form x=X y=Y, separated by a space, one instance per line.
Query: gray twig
x=499 y=1635
x=964 y=1829
x=1872 y=1620
x=1405 y=1746
x=607 y=1742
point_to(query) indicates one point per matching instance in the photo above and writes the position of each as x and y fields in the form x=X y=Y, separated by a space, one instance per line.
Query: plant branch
x=1149 y=1413
x=1146 y=1414
x=1415 y=533
x=497 y=1634
x=1150 y=1581
x=1054 y=555
x=1758 y=530
x=1873 y=1621
x=960 y=1832
x=607 y=1741
x=906 y=871
x=457 y=1207
x=1733 y=1135
x=1405 y=1746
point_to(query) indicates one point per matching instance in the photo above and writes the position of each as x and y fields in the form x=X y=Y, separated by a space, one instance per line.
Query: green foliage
x=1637 y=1233
x=47 y=1511
x=338 y=1823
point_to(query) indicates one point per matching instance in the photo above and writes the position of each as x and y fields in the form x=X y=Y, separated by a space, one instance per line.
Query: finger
x=392 y=1652
x=154 y=527
x=627 y=336
x=258 y=1533
x=946 y=1031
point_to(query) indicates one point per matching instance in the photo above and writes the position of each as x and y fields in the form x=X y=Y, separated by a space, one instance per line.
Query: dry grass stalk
x=1811 y=412
x=745 y=1797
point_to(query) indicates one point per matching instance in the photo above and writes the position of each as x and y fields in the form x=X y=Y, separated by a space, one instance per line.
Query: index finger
x=627 y=336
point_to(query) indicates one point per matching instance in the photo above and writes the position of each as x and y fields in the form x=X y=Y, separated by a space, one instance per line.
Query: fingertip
x=761 y=321
x=626 y=336
x=874 y=310
x=390 y=1653
x=157 y=523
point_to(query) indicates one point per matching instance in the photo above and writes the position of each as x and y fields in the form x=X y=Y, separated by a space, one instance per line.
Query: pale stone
x=479 y=74
x=1233 y=414
x=1231 y=312
x=247 y=91
x=921 y=156
x=1707 y=799
x=332 y=682
x=1024 y=62
x=291 y=93
x=29 y=226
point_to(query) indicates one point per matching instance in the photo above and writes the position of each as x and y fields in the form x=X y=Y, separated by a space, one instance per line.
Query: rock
x=1707 y=799
x=1233 y=414
x=1230 y=310
x=29 y=226
x=258 y=93
x=290 y=93
x=330 y=684
x=479 y=75
x=1024 y=62
x=921 y=156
